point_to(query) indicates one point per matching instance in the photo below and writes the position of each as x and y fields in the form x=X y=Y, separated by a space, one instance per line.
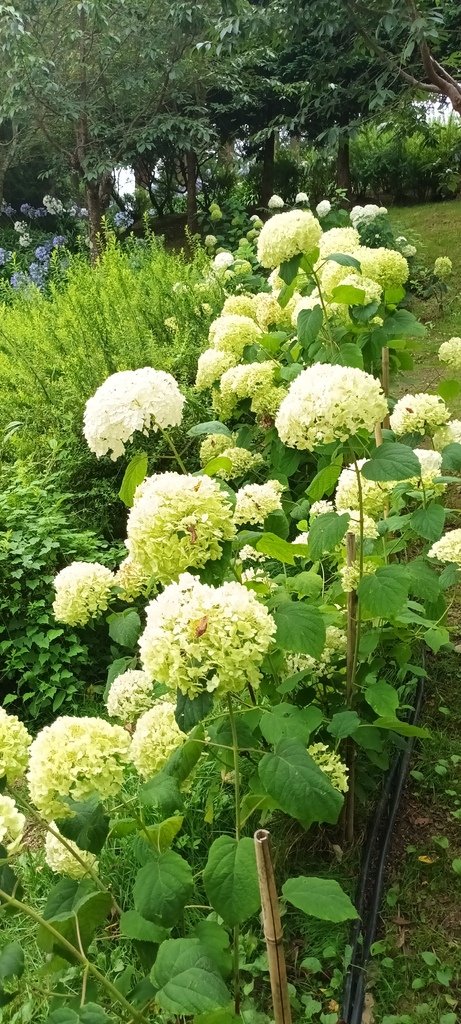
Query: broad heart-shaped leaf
x=401 y=728
x=301 y=789
x=220 y=464
x=392 y=461
x=350 y=355
x=285 y=720
x=89 y=825
x=190 y=712
x=124 y=627
x=326 y=533
x=343 y=723
x=308 y=325
x=87 y=905
x=319 y=897
x=451 y=457
x=284 y=460
x=300 y=628
x=133 y=476
x=210 y=427
x=348 y=294
x=11 y=961
x=162 y=792
x=449 y=389
x=277 y=523
x=277 y=548
x=402 y=323
x=231 y=879
x=186 y=979
x=324 y=482
x=289 y=268
x=344 y=260
x=384 y=593
x=161 y=836
x=215 y=940
x=429 y=522
x=423 y=580
x=436 y=638
x=162 y=888
x=134 y=926
x=383 y=698
x=183 y=760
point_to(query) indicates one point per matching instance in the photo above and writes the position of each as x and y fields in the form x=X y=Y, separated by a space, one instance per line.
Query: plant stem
x=237 y=836
x=174 y=449
x=324 y=309
x=385 y=379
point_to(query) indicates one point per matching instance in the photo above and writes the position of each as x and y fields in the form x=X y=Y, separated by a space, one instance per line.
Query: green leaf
x=133 y=476
x=350 y=355
x=277 y=523
x=186 y=979
x=305 y=584
x=220 y=464
x=190 y=712
x=183 y=760
x=161 y=836
x=348 y=294
x=392 y=461
x=343 y=723
x=68 y=905
x=231 y=879
x=286 y=720
x=383 y=698
x=384 y=593
x=344 y=260
x=324 y=482
x=134 y=926
x=308 y=325
x=284 y=460
x=210 y=427
x=401 y=728
x=289 y=268
x=89 y=825
x=326 y=533
x=428 y=522
x=449 y=389
x=436 y=637
x=322 y=898
x=215 y=940
x=299 y=628
x=301 y=789
x=93 y=1014
x=456 y=865
x=402 y=323
x=11 y=961
x=163 y=792
x=451 y=458
x=124 y=627
x=162 y=888
x=277 y=548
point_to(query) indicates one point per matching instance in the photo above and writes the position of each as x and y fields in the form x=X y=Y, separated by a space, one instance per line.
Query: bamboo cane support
x=273 y=932
x=349 y=806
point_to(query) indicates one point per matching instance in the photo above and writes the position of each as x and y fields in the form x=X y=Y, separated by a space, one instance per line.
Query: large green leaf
x=275 y=547
x=401 y=728
x=449 y=389
x=163 y=792
x=215 y=940
x=285 y=720
x=124 y=627
x=319 y=897
x=89 y=825
x=186 y=979
x=231 y=879
x=344 y=260
x=348 y=294
x=326 y=533
x=350 y=355
x=65 y=907
x=133 y=476
x=134 y=926
x=162 y=888
x=451 y=457
x=428 y=522
x=383 y=698
x=289 y=268
x=210 y=427
x=300 y=628
x=384 y=593
x=343 y=723
x=11 y=969
x=292 y=778
x=161 y=835
x=392 y=461
x=220 y=464
x=191 y=711
x=184 y=759
x=324 y=482
x=309 y=324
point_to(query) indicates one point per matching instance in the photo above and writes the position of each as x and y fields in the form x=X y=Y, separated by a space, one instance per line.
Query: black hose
x=372 y=874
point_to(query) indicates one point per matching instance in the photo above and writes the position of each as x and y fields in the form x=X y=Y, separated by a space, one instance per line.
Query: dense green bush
x=417 y=165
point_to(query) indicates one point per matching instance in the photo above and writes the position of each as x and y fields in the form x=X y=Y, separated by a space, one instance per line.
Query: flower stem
x=237 y=836
x=174 y=449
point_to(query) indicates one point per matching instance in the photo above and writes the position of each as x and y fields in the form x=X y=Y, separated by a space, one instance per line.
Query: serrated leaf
x=220 y=464
x=383 y=698
x=186 y=979
x=163 y=792
x=162 y=888
x=292 y=778
x=191 y=711
x=322 y=898
x=300 y=628
x=343 y=723
x=449 y=389
x=308 y=325
x=134 y=926
x=286 y=720
x=231 y=879
x=326 y=532
x=89 y=825
x=275 y=547
x=289 y=268
x=324 y=482
x=161 y=836
x=429 y=522
x=124 y=627
x=133 y=476
x=350 y=355
x=384 y=593
x=348 y=294
x=451 y=458
x=392 y=461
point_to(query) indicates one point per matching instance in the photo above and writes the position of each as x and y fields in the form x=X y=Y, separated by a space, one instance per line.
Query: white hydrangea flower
x=249 y=380
x=350 y=574
x=431 y=468
x=275 y=281
x=12 y=824
x=323 y=208
x=130 y=579
x=449 y=434
x=301 y=197
x=443 y=267
x=448 y=548
x=320 y=508
x=20 y=226
x=76 y=758
x=386 y=266
x=420 y=413
x=331 y=765
x=156 y=736
x=331 y=659
x=83 y=590
x=339 y=240
x=211 y=366
x=232 y=333
x=177 y=522
x=199 y=637
x=409 y=251
x=328 y=402
x=25 y=240
x=128 y=401
x=450 y=353
x=239 y=305
x=370 y=530
x=256 y=501
x=130 y=694
x=223 y=260
x=14 y=747
x=276 y=203
x=287 y=234
x=302 y=538
x=268 y=312
x=375 y=495
x=210 y=241
x=249 y=554
x=61 y=860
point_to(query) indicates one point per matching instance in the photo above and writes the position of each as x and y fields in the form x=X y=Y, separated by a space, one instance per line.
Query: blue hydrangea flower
x=36 y=273
x=27 y=209
x=123 y=219
x=18 y=279
x=59 y=240
x=41 y=253
x=5 y=257
x=7 y=209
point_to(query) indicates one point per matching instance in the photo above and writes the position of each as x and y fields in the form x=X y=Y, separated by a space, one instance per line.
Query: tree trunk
x=343 y=166
x=267 y=178
x=97 y=198
x=191 y=185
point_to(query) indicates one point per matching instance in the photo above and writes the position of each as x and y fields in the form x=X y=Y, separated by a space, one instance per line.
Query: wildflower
x=448 y=548
x=211 y=366
x=287 y=235
x=131 y=693
x=339 y=240
x=156 y=736
x=128 y=401
x=76 y=758
x=443 y=267
x=323 y=208
x=327 y=402
x=421 y=413
x=83 y=590
x=14 y=747
x=450 y=353
x=59 y=240
x=386 y=266
x=276 y=203
x=42 y=253
x=200 y=638
x=177 y=522
x=448 y=434
x=61 y=860
x=256 y=501
x=301 y=197
x=223 y=260
x=331 y=765
x=232 y=333
x=12 y=824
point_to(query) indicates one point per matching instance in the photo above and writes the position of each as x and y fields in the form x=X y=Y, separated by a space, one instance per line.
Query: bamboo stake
x=385 y=380
x=273 y=932
x=349 y=806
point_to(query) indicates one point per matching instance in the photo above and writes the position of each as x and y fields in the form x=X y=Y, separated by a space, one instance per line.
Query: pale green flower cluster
x=350 y=574
x=76 y=758
x=331 y=765
x=269 y=313
x=449 y=434
x=320 y=508
x=83 y=590
x=242 y=462
x=448 y=548
x=421 y=413
x=370 y=530
x=12 y=824
x=336 y=240
x=199 y=637
x=326 y=402
x=61 y=860
x=210 y=367
x=431 y=468
x=14 y=747
x=375 y=495
x=276 y=203
x=386 y=266
x=155 y=737
x=128 y=401
x=256 y=501
x=239 y=305
x=131 y=580
x=130 y=694
x=249 y=380
x=214 y=445
x=333 y=654
x=372 y=289
x=232 y=333
x=450 y=353
x=443 y=267
x=287 y=235
x=177 y=521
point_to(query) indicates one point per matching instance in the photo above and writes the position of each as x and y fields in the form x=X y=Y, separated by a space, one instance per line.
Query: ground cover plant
x=264 y=625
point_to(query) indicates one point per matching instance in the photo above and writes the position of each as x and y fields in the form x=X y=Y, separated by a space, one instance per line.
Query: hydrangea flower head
x=375 y=495
x=421 y=413
x=240 y=305
x=83 y=590
x=448 y=434
x=76 y=758
x=339 y=240
x=61 y=860
x=386 y=266
x=249 y=380
x=256 y=501
x=331 y=765
x=450 y=353
x=199 y=637
x=301 y=197
x=223 y=260
x=156 y=736
x=328 y=402
x=276 y=203
x=431 y=468
x=177 y=522
x=12 y=824
x=130 y=579
x=130 y=694
x=210 y=241
x=14 y=747
x=232 y=333
x=211 y=365
x=287 y=234
x=128 y=401
x=448 y=548
x=323 y=208
x=443 y=267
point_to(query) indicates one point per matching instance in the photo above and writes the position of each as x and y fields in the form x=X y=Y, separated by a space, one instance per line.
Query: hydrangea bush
x=267 y=619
